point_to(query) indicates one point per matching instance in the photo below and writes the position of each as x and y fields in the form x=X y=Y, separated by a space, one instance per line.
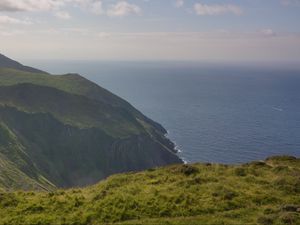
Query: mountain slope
x=16 y=169
x=70 y=132
x=264 y=192
x=74 y=84
x=71 y=109
x=9 y=63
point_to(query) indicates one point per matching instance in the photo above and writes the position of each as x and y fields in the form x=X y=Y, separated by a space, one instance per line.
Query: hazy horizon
x=184 y=30
x=61 y=66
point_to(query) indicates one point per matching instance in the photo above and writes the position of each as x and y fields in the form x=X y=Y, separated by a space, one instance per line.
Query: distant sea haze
x=214 y=113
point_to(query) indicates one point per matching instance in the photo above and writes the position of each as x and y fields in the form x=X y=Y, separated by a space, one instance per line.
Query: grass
x=255 y=193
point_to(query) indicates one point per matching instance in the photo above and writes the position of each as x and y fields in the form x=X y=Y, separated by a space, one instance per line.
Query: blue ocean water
x=214 y=113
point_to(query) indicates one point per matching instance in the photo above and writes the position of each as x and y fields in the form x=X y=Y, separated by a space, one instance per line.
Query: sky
x=189 y=30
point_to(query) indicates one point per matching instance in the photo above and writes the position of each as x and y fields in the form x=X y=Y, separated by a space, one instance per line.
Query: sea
x=214 y=112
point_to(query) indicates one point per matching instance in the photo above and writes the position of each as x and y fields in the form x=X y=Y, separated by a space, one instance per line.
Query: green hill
x=59 y=134
x=65 y=131
x=264 y=192
x=9 y=63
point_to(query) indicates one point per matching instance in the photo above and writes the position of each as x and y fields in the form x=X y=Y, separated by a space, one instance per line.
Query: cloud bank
x=119 y=9
x=30 y=5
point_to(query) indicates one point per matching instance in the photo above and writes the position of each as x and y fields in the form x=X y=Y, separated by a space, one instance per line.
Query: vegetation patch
x=175 y=195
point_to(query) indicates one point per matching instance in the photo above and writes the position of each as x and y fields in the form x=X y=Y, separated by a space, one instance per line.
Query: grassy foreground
x=266 y=192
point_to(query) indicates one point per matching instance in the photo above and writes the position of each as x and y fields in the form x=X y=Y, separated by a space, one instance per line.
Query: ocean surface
x=214 y=113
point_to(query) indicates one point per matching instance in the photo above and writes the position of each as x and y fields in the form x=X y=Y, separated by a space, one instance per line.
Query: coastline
x=176 y=147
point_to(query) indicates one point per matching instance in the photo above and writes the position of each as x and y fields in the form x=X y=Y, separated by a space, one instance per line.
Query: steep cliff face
x=65 y=131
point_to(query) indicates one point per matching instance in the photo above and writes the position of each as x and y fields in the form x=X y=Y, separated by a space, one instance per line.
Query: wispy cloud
x=212 y=45
x=268 y=32
x=290 y=2
x=11 y=20
x=179 y=3
x=216 y=35
x=123 y=8
x=63 y=15
x=161 y=31
x=216 y=9
x=96 y=7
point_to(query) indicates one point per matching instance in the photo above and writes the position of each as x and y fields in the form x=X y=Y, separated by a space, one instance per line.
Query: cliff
x=65 y=131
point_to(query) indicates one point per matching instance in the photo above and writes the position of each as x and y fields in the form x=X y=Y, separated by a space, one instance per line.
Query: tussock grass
x=256 y=193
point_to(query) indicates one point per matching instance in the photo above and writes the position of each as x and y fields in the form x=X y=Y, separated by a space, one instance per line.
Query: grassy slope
x=17 y=170
x=74 y=110
x=256 y=193
x=54 y=117
x=71 y=83
x=9 y=63
x=76 y=84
